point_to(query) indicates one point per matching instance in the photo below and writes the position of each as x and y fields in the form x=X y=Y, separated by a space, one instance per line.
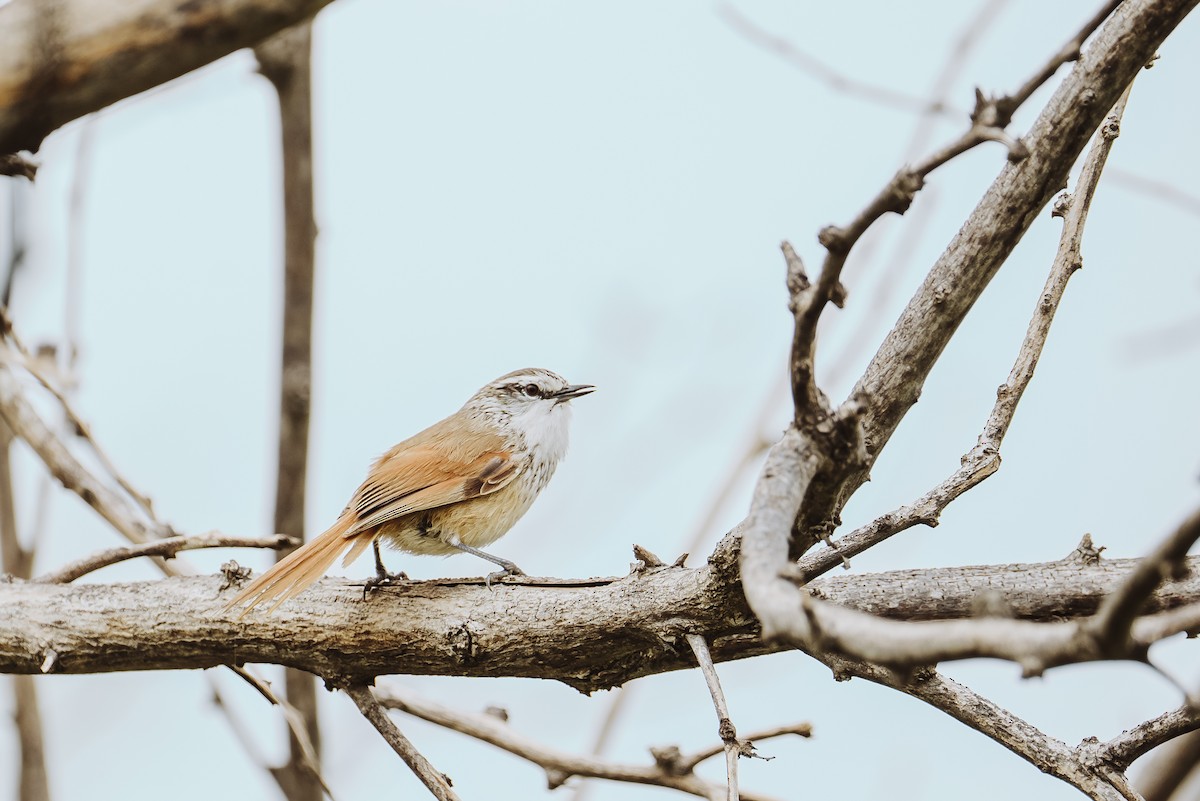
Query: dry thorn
x=645 y=559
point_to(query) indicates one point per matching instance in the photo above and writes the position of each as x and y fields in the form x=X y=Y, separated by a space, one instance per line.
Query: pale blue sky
x=601 y=190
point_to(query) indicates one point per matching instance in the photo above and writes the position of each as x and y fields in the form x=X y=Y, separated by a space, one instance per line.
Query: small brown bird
x=459 y=485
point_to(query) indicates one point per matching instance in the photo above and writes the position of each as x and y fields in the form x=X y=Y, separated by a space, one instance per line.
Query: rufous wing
x=403 y=481
x=417 y=481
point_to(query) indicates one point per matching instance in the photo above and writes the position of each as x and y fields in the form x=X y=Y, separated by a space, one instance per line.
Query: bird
x=457 y=486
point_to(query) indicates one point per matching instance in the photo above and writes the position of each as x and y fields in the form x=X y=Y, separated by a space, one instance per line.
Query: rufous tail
x=295 y=572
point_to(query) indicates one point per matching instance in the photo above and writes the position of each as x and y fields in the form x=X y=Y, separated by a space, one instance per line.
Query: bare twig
x=1122 y=750
x=1048 y=754
x=431 y=777
x=1067 y=53
x=988 y=121
x=892 y=381
x=983 y=460
x=33 y=365
x=166 y=548
x=559 y=766
x=33 y=781
x=725 y=725
x=249 y=743
x=1112 y=623
x=29 y=426
x=1159 y=190
x=1168 y=768
x=820 y=71
x=295 y=722
x=687 y=762
x=285 y=60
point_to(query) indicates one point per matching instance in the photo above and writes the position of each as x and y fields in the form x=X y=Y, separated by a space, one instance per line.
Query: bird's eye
x=533 y=390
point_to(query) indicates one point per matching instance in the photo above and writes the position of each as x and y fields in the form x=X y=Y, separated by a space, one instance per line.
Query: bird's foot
x=382 y=578
x=509 y=569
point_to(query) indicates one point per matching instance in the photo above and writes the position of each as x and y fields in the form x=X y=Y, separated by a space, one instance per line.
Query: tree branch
x=286 y=62
x=675 y=774
x=1122 y=750
x=437 y=782
x=983 y=460
x=893 y=380
x=26 y=423
x=62 y=59
x=591 y=635
x=1048 y=754
x=725 y=727
x=165 y=548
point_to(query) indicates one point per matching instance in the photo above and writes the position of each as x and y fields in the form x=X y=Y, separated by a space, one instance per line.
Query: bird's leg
x=382 y=576
x=509 y=568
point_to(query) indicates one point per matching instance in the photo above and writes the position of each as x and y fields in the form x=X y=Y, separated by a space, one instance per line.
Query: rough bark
x=590 y=634
x=62 y=59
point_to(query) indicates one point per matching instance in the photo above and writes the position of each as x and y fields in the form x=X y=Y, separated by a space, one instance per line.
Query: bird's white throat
x=544 y=425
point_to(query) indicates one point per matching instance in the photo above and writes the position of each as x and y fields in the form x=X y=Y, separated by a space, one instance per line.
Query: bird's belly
x=478 y=523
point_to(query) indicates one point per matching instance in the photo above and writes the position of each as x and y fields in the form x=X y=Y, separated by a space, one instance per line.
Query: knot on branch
x=1062 y=204
x=1111 y=128
x=993 y=112
x=797 y=278
x=1085 y=552
x=835 y=239
x=727 y=731
x=670 y=761
x=234 y=575
x=902 y=190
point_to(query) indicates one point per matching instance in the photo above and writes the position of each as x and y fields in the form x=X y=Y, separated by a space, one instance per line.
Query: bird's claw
x=509 y=570
x=382 y=579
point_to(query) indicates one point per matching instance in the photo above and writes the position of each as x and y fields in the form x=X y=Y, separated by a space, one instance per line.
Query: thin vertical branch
x=33 y=783
x=724 y=724
x=285 y=61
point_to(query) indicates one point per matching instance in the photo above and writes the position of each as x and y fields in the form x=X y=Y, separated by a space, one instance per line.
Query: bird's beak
x=573 y=391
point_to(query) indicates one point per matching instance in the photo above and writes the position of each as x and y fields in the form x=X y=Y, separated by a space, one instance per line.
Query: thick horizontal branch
x=591 y=634
x=62 y=59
